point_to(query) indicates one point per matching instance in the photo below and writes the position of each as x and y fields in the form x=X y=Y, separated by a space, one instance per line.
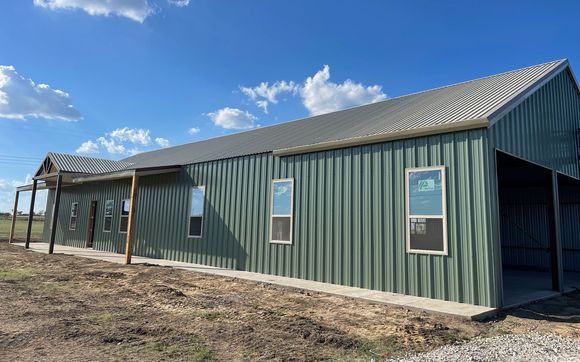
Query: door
x=91 y=224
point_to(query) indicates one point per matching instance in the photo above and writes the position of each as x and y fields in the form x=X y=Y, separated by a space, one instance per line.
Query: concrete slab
x=455 y=309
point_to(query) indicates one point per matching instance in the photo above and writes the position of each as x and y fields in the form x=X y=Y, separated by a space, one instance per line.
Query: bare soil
x=61 y=307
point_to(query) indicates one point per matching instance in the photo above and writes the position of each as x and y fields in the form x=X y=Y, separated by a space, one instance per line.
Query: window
x=108 y=221
x=426 y=210
x=124 y=222
x=196 y=212
x=282 y=211
x=72 y=225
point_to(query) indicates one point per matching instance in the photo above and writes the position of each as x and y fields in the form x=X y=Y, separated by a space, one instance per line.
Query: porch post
x=14 y=212
x=55 y=208
x=132 y=216
x=30 y=214
x=555 y=236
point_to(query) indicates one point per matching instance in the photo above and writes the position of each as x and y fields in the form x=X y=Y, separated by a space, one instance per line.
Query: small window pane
x=281 y=228
x=124 y=224
x=109 y=207
x=73 y=223
x=282 y=198
x=125 y=207
x=195 y=223
x=425 y=193
x=426 y=234
x=197 y=201
x=74 y=209
x=108 y=223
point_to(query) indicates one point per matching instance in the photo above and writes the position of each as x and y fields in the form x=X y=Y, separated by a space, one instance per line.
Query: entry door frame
x=91 y=224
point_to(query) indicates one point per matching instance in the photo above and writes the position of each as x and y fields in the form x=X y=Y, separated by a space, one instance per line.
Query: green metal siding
x=83 y=194
x=541 y=129
x=349 y=221
x=349 y=217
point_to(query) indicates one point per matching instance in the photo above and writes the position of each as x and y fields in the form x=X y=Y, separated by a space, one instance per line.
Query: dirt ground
x=61 y=307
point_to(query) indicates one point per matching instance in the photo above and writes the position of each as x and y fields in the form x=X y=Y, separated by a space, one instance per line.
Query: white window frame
x=121 y=216
x=105 y=216
x=189 y=236
x=272 y=215
x=408 y=216
x=76 y=216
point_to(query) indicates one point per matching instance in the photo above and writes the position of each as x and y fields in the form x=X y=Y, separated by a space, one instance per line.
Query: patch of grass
x=210 y=316
x=192 y=350
x=21 y=228
x=16 y=274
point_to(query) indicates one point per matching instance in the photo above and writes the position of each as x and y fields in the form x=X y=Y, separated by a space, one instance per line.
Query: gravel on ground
x=532 y=347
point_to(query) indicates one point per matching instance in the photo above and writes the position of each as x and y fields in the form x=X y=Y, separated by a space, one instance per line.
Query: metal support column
x=55 y=208
x=30 y=214
x=555 y=236
x=131 y=226
x=14 y=213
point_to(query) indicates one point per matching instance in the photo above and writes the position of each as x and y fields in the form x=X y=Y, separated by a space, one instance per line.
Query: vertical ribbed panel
x=570 y=227
x=349 y=217
x=349 y=225
x=541 y=129
x=83 y=194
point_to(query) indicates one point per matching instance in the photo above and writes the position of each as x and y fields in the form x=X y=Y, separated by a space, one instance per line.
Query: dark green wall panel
x=349 y=225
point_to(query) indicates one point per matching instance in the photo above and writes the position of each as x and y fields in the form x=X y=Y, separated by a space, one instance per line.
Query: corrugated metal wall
x=349 y=217
x=541 y=129
x=525 y=231
x=570 y=216
x=83 y=194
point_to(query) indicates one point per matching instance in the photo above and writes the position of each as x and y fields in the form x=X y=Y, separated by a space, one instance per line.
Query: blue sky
x=124 y=76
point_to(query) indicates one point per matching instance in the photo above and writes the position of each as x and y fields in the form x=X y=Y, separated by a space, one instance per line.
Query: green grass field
x=21 y=222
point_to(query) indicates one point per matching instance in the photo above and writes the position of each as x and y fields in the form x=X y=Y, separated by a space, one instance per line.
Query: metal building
x=468 y=193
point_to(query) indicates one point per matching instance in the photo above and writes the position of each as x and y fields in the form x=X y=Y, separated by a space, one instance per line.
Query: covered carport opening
x=569 y=195
x=529 y=230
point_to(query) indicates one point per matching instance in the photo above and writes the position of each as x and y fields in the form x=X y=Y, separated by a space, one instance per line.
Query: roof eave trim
x=495 y=115
x=393 y=136
x=127 y=174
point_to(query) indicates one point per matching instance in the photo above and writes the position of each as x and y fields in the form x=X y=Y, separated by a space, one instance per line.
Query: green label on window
x=426 y=185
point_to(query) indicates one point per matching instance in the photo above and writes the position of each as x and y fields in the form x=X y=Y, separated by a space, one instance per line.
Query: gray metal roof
x=88 y=165
x=469 y=104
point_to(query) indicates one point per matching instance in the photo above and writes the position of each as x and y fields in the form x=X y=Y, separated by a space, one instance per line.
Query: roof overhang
x=384 y=137
x=126 y=174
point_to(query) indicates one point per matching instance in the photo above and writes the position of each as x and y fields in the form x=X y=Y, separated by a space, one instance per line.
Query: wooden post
x=555 y=236
x=131 y=226
x=55 y=208
x=30 y=214
x=14 y=212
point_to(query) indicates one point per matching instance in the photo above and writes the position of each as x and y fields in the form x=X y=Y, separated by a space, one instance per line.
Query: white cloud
x=194 y=130
x=320 y=95
x=137 y=10
x=163 y=142
x=122 y=141
x=264 y=94
x=111 y=146
x=21 y=98
x=88 y=147
x=179 y=3
x=133 y=135
x=7 y=192
x=232 y=118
